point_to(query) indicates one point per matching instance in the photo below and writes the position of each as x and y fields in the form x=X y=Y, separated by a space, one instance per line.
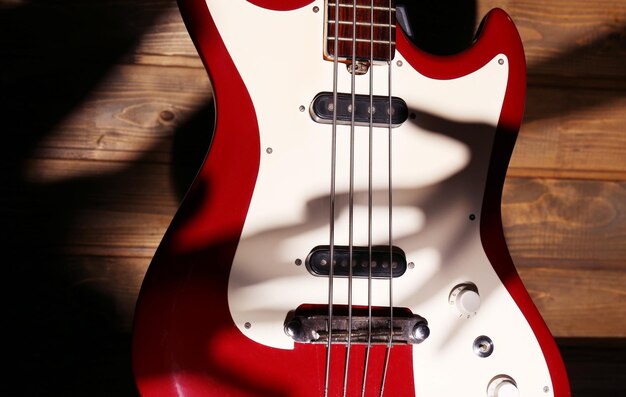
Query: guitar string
x=369 y=202
x=333 y=167
x=351 y=200
x=390 y=207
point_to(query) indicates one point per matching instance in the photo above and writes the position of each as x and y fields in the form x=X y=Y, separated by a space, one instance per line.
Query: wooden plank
x=570 y=43
x=565 y=219
x=579 y=303
x=135 y=113
x=572 y=133
x=565 y=236
x=168 y=36
x=132 y=114
x=543 y=219
x=567 y=42
x=573 y=302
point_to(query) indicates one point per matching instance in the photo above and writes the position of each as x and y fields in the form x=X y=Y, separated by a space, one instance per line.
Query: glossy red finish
x=498 y=35
x=280 y=5
x=184 y=342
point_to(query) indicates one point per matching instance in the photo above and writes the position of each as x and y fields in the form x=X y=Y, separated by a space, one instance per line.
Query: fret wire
x=378 y=25
x=364 y=7
x=362 y=40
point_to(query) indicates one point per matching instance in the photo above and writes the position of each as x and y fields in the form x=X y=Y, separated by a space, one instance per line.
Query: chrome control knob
x=466 y=299
x=502 y=386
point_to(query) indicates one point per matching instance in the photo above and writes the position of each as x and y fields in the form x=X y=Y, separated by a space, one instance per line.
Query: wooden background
x=106 y=114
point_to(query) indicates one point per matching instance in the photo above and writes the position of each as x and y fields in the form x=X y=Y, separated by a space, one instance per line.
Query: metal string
x=369 y=202
x=333 y=167
x=390 y=198
x=351 y=200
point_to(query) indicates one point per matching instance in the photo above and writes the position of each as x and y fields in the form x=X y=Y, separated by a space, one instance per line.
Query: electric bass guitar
x=343 y=236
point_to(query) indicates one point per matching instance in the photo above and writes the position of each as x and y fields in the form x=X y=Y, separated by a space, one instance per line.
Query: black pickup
x=322 y=110
x=319 y=259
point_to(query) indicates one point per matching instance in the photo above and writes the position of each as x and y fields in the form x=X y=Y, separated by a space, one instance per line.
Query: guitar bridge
x=309 y=324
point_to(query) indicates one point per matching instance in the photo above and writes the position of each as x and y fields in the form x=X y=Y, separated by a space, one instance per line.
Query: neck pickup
x=322 y=110
x=368 y=24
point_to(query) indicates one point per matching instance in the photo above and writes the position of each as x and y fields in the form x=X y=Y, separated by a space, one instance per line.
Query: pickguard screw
x=247 y=325
x=472 y=217
x=298 y=262
x=501 y=61
x=546 y=389
x=316 y=9
x=399 y=63
x=302 y=108
x=411 y=265
x=269 y=150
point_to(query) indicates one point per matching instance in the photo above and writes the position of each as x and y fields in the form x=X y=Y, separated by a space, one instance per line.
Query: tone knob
x=502 y=386
x=466 y=299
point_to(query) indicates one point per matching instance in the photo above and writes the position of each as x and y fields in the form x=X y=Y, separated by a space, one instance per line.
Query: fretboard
x=379 y=19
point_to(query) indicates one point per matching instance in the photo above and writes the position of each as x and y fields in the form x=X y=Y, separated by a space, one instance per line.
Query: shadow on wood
x=64 y=326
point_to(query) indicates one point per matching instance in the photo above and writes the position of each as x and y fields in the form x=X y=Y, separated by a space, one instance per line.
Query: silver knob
x=502 y=386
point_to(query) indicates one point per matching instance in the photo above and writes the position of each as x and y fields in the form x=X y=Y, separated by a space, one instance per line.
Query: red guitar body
x=191 y=336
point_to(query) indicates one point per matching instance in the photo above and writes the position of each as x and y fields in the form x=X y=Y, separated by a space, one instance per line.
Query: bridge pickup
x=318 y=261
x=309 y=324
x=322 y=110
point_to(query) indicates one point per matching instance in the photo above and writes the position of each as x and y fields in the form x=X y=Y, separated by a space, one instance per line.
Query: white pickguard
x=438 y=179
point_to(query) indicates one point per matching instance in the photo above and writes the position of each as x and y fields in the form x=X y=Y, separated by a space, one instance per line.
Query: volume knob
x=466 y=299
x=502 y=386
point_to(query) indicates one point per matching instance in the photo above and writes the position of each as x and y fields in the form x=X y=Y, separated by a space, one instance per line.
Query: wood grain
x=565 y=236
x=570 y=43
x=572 y=133
x=107 y=113
x=133 y=113
x=565 y=219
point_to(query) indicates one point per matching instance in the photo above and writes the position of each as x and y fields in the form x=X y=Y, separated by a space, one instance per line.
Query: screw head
x=316 y=9
x=293 y=328
x=421 y=331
